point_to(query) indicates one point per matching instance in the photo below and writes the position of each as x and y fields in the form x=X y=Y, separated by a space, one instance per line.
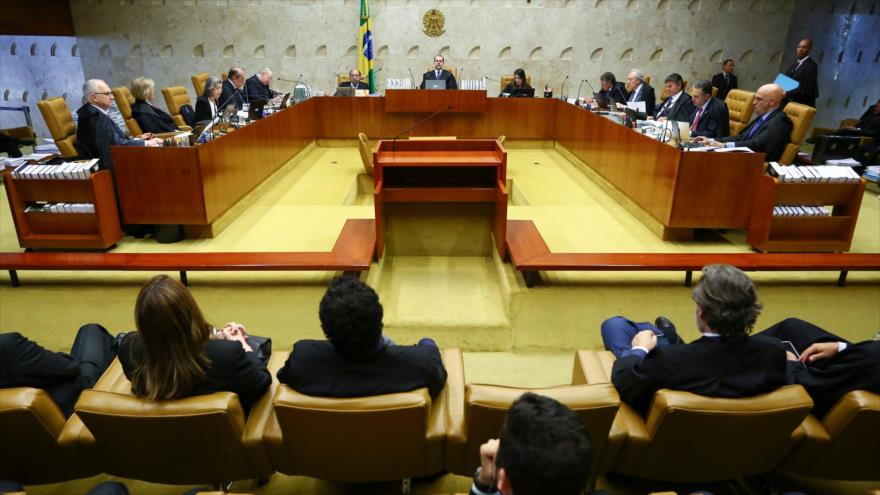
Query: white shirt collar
x=802 y=60
x=711 y=334
x=105 y=112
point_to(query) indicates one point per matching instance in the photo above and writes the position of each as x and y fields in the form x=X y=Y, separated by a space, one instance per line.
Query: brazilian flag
x=365 y=57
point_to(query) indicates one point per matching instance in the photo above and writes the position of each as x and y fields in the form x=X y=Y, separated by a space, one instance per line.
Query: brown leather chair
x=454 y=72
x=59 y=120
x=505 y=80
x=844 y=445
x=739 y=106
x=801 y=117
x=475 y=414
x=35 y=443
x=157 y=441
x=124 y=101
x=176 y=96
x=342 y=78
x=365 y=439
x=199 y=81
x=366 y=151
x=665 y=94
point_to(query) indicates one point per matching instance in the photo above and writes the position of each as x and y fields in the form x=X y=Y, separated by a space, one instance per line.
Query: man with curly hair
x=356 y=360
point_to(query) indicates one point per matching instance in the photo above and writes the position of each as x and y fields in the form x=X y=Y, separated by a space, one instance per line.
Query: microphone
x=412 y=78
x=460 y=70
x=562 y=89
x=429 y=117
x=581 y=85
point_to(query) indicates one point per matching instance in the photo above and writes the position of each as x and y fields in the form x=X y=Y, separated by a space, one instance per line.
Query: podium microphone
x=460 y=70
x=581 y=85
x=412 y=78
x=562 y=90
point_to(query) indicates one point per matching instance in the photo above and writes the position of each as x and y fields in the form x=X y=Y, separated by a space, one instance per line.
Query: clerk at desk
x=439 y=74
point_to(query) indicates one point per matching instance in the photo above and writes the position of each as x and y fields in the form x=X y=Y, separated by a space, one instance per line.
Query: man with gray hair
x=257 y=86
x=639 y=90
x=723 y=362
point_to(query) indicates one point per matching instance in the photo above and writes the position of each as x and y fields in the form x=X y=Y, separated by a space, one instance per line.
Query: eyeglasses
x=105 y=93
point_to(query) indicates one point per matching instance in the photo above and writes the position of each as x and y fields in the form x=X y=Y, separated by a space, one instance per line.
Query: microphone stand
x=562 y=90
x=581 y=85
x=429 y=117
x=412 y=78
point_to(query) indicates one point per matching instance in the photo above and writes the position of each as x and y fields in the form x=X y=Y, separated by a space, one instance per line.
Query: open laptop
x=435 y=84
x=523 y=93
x=344 y=91
x=255 y=111
x=601 y=101
x=285 y=100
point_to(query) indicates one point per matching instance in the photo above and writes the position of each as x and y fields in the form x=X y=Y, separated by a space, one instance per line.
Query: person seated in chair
x=711 y=117
x=439 y=74
x=257 y=86
x=149 y=117
x=610 y=92
x=677 y=106
x=206 y=104
x=233 y=88
x=175 y=353
x=355 y=81
x=356 y=360
x=518 y=86
x=724 y=362
x=640 y=91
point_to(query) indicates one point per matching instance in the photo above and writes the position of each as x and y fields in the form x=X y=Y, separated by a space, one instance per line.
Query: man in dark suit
x=257 y=86
x=63 y=376
x=724 y=80
x=724 y=362
x=710 y=117
x=805 y=71
x=640 y=90
x=356 y=360
x=678 y=105
x=768 y=133
x=611 y=91
x=355 y=80
x=439 y=74
x=232 y=88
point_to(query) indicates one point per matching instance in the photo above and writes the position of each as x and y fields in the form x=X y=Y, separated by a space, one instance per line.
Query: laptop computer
x=523 y=93
x=435 y=84
x=344 y=91
x=601 y=101
x=285 y=100
x=255 y=111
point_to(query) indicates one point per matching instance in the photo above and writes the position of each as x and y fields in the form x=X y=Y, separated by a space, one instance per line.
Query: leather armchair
x=124 y=101
x=342 y=79
x=505 y=80
x=843 y=446
x=198 y=82
x=176 y=96
x=32 y=432
x=801 y=117
x=59 y=120
x=739 y=106
x=364 y=439
x=476 y=414
x=454 y=72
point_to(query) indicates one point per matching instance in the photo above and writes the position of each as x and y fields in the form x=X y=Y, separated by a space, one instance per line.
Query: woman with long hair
x=519 y=85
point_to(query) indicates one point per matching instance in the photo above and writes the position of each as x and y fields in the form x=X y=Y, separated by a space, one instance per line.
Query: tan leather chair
x=665 y=94
x=843 y=446
x=176 y=96
x=501 y=139
x=157 y=441
x=199 y=81
x=739 y=106
x=59 y=120
x=801 y=118
x=366 y=439
x=366 y=150
x=36 y=449
x=124 y=101
x=505 y=80
x=453 y=70
x=475 y=414
x=342 y=78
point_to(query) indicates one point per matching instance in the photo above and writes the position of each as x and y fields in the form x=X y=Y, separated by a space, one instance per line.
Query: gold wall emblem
x=433 y=21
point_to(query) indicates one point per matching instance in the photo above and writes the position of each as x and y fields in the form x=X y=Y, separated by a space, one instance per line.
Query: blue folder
x=786 y=83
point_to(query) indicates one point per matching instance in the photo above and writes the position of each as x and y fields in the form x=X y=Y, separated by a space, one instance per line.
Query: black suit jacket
x=445 y=75
x=617 y=94
x=723 y=86
x=715 y=121
x=231 y=369
x=360 y=85
x=230 y=95
x=730 y=367
x=681 y=110
x=203 y=109
x=315 y=368
x=770 y=138
x=256 y=90
x=96 y=132
x=646 y=95
x=26 y=364
x=808 y=77
x=152 y=119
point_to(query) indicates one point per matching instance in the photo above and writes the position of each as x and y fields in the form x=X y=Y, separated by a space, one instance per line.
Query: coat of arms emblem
x=433 y=22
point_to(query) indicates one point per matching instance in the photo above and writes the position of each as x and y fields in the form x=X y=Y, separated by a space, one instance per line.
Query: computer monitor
x=284 y=101
x=435 y=84
x=523 y=93
x=344 y=91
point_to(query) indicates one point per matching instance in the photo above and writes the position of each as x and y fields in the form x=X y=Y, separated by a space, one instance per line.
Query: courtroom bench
x=352 y=252
x=529 y=254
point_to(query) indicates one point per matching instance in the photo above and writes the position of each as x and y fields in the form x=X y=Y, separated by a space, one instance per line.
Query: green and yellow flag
x=365 y=58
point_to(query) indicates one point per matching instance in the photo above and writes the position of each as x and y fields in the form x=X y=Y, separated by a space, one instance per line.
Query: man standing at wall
x=805 y=71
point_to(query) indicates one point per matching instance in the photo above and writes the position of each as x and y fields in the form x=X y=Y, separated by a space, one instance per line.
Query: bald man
x=805 y=71
x=768 y=133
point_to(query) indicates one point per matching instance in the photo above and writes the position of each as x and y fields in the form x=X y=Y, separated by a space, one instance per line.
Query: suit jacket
x=723 y=86
x=230 y=95
x=869 y=123
x=512 y=90
x=714 y=122
x=445 y=75
x=616 y=94
x=96 y=133
x=256 y=90
x=315 y=368
x=360 y=85
x=681 y=110
x=203 y=109
x=738 y=366
x=808 y=77
x=770 y=138
x=646 y=94
x=152 y=119
x=26 y=364
x=231 y=369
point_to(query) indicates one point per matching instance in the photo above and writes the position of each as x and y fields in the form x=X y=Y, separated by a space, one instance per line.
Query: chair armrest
x=821 y=131
x=258 y=418
x=630 y=431
x=438 y=423
x=184 y=128
x=37 y=401
x=456 y=424
x=814 y=438
x=113 y=379
x=592 y=367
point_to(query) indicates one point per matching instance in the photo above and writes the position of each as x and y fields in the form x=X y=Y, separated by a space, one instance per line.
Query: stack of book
x=80 y=169
x=42 y=207
x=812 y=173
x=800 y=211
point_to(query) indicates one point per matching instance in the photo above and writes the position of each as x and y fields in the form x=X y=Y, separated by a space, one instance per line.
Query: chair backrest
x=176 y=96
x=486 y=407
x=801 y=118
x=453 y=70
x=59 y=120
x=696 y=438
x=342 y=78
x=665 y=94
x=505 y=80
x=30 y=425
x=199 y=81
x=376 y=438
x=714 y=91
x=366 y=151
x=124 y=101
x=158 y=441
x=739 y=106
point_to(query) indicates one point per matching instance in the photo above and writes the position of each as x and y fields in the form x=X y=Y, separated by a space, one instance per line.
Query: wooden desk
x=456 y=170
x=429 y=101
